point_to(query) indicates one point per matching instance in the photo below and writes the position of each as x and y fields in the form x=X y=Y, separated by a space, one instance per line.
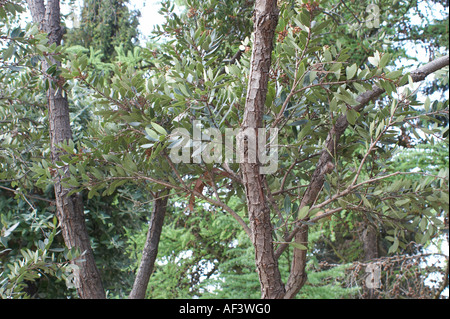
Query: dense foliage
x=390 y=173
x=105 y=26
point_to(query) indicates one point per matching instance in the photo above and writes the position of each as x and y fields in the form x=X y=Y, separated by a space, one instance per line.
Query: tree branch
x=325 y=166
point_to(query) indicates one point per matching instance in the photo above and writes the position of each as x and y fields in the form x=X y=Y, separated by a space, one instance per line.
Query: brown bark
x=266 y=19
x=370 y=247
x=70 y=210
x=150 y=251
x=370 y=243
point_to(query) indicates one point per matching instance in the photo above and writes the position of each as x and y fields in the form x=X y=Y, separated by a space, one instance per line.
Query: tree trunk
x=370 y=246
x=266 y=19
x=325 y=165
x=370 y=243
x=150 y=249
x=70 y=209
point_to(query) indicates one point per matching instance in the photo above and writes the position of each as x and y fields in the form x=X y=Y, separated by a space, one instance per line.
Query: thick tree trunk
x=266 y=19
x=266 y=16
x=70 y=210
x=150 y=249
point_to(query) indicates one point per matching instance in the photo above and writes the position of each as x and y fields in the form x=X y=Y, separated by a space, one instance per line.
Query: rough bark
x=150 y=249
x=70 y=209
x=266 y=19
x=297 y=276
x=370 y=246
x=370 y=243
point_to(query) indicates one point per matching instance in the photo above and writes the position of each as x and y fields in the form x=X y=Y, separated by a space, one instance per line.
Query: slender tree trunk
x=370 y=247
x=325 y=165
x=150 y=249
x=70 y=209
x=266 y=19
x=370 y=243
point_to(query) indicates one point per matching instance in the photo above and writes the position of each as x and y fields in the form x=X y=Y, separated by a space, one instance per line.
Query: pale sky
x=149 y=15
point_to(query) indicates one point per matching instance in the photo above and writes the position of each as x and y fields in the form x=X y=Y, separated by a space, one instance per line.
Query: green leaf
x=97 y=173
x=327 y=56
x=287 y=204
x=394 y=74
x=305 y=131
x=351 y=71
x=300 y=71
x=159 y=128
x=423 y=224
x=402 y=202
x=393 y=107
x=152 y=134
x=384 y=60
x=129 y=163
x=426 y=104
x=9 y=52
x=359 y=87
x=305 y=18
x=303 y=212
x=394 y=246
x=73 y=182
x=298 y=246
x=366 y=201
x=41 y=47
x=346 y=97
x=403 y=80
x=352 y=116
x=319 y=27
x=93 y=192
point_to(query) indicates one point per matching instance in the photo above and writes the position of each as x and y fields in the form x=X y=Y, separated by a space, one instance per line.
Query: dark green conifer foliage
x=105 y=25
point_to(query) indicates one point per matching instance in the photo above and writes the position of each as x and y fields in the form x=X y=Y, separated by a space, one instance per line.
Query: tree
x=299 y=72
x=150 y=250
x=70 y=211
x=107 y=25
x=266 y=19
x=259 y=212
x=340 y=120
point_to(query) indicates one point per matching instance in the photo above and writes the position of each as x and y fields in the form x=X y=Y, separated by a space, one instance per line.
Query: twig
x=443 y=285
x=30 y=196
x=175 y=170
